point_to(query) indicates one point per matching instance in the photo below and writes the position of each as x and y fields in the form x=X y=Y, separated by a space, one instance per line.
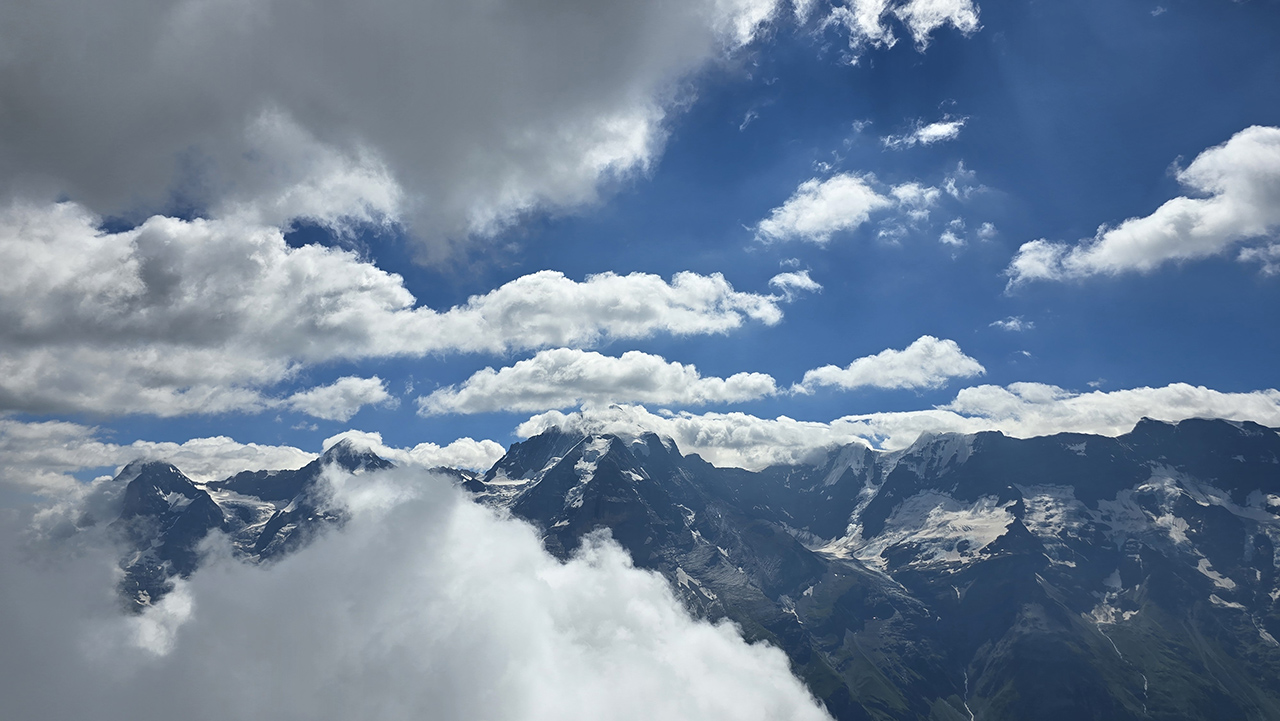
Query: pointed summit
x=353 y=455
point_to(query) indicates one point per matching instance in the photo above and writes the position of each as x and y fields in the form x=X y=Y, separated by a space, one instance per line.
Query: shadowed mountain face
x=966 y=577
x=165 y=516
x=979 y=576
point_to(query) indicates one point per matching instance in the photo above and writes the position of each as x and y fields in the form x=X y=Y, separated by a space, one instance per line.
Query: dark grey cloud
x=457 y=116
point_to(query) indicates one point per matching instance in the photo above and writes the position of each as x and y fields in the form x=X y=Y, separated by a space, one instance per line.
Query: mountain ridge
x=965 y=576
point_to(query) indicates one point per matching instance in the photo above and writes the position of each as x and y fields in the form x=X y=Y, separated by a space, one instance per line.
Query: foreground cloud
x=927 y=363
x=1020 y=409
x=1238 y=189
x=177 y=316
x=564 y=377
x=424 y=605
x=527 y=105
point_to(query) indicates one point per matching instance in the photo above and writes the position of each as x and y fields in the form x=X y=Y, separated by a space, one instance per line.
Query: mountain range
x=964 y=577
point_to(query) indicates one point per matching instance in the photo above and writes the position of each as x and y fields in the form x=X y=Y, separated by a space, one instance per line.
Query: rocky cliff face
x=979 y=576
x=965 y=577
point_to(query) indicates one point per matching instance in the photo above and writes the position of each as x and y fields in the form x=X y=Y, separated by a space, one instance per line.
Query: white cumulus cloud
x=820 y=208
x=927 y=363
x=793 y=282
x=205 y=316
x=915 y=200
x=341 y=399
x=565 y=377
x=1234 y=197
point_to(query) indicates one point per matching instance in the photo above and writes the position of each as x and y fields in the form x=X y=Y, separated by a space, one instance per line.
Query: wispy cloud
x=921 y=134
x=1014 y=323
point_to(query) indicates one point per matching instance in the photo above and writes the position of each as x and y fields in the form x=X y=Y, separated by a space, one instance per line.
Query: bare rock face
x=968 y=576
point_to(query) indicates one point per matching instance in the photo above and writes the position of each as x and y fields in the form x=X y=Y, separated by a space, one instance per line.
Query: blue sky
x=1063 y=117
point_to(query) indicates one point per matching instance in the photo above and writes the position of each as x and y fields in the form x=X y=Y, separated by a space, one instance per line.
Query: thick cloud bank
x=457 y=116
x=177 y=317
x=1234 y=197
x=425 y=605
x=1022 y=410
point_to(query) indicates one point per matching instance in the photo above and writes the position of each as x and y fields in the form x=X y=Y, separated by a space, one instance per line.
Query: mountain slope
x=1060 y=577
x=965 y=577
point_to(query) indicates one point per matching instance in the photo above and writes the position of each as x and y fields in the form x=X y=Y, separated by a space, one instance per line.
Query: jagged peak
x=150 y=467
x=1148 y=426
x=353 y=457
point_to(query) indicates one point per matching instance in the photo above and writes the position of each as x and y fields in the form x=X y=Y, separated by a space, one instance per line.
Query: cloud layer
x=1020 y=409
x=178 y=317
x=1234 y=197
x=424 y=605
x=40 y=456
